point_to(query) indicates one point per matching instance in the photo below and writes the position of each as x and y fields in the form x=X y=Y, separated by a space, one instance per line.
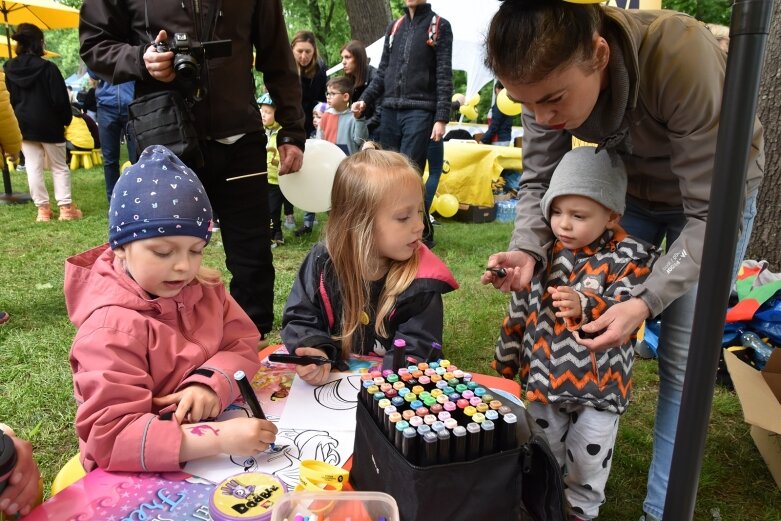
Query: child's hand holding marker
x=313 y=374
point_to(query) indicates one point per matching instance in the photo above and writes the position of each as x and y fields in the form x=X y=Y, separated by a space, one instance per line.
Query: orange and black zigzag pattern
x=541 y=349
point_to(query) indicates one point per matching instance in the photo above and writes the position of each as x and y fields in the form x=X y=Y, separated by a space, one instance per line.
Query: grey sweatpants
x=582 y=440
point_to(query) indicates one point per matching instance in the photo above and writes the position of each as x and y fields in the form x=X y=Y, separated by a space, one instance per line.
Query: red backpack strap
x=433 y=31
x=395 y=28
x=329 y=310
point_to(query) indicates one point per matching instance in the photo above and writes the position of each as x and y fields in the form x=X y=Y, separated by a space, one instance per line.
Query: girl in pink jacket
x=159 y=339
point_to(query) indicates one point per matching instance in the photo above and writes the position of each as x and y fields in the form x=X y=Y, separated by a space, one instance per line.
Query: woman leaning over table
x=648 y=85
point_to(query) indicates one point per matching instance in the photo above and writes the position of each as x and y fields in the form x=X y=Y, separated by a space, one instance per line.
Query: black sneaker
x=304 y=230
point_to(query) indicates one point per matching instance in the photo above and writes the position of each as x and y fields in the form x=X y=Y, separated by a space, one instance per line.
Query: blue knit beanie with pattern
x=158 y=196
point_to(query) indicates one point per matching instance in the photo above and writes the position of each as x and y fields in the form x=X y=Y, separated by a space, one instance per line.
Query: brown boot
x=44 y=213
x=69 y=212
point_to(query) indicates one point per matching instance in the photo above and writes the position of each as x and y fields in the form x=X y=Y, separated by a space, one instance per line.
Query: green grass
x=36 y=393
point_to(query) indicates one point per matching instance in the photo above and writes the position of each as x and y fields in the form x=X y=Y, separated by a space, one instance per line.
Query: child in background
x=309 y=217
x=23 y=485
x=159 y=339
x=338 y=125
x=371 y=281
x=276 y=200
x=317 y=114
x=577 y=395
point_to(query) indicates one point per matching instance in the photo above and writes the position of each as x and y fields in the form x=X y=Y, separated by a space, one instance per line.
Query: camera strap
x=212 y=24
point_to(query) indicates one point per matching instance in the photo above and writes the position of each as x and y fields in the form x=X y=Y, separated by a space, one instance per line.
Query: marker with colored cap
x=249 y=397
x=398 y=435
x=399 y=353
x=458 y=442
x=472 y=441
x=508 y=436
x=376 y=397
x=409 y=445
x=429 y=452
x=488 y=445
x=387 y=411
x=435 y=353
x=443 y=452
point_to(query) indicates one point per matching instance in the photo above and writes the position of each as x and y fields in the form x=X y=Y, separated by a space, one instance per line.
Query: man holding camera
x=210 y=43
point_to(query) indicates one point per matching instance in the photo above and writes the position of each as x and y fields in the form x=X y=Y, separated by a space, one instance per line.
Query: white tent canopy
x=469 y=20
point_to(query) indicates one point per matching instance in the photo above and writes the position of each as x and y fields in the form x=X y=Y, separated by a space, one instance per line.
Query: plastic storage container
x=505 y=210
x=337 y=506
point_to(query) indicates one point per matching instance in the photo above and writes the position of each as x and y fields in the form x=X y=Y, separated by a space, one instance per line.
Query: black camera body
x=190 y=55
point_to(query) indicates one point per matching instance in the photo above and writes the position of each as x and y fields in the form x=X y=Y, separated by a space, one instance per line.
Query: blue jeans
x=436 y=159
x=653 y=225
x=111 y=126
x=408 y=132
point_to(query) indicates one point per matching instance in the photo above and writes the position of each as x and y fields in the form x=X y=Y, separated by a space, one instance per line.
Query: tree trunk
x=765 y=238
x=368 y=19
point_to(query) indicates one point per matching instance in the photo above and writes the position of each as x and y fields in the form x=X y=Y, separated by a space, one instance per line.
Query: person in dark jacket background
x=311 y=69
x=501 y=126
x=356 y=66
x=415 y=81
x=115 y=45
x=40 y=102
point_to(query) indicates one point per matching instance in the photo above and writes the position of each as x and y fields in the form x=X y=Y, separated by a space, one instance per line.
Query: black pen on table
x=249 y=396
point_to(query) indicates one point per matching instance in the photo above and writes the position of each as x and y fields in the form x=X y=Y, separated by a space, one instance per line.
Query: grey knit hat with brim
x=158 y=196
x=584 y=171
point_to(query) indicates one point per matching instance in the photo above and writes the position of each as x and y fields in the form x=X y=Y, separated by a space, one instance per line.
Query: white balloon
x=310 y=187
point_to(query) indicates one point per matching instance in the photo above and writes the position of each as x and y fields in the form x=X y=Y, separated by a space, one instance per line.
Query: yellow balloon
x=506 y=105
x=468 y=111
x=447 y=205
x=474 y=100
x=433 y=207
x=125 y=165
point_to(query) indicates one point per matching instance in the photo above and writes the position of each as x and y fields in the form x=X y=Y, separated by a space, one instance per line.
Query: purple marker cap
x=465 y=394
x=386 y=373
x=474 y=401
x=444 y=415
x=449 y=406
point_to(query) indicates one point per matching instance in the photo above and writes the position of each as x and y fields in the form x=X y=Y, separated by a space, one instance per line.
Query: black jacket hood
x=25 y=70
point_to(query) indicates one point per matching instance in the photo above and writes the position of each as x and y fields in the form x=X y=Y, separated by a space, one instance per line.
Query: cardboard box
x=475 y=214
x=760 y=397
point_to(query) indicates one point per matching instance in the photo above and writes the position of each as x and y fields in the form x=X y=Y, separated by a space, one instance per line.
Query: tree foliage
x=713 y=11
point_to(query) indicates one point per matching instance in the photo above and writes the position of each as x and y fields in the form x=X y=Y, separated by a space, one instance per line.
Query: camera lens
x=7 y=459
x=186 y=67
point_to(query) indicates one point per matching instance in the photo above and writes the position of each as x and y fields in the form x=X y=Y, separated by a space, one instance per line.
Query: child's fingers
x=163 y=401
x=183 y=409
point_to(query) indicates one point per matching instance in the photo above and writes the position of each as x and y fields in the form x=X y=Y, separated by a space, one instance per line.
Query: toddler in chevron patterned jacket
x=576 y=395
